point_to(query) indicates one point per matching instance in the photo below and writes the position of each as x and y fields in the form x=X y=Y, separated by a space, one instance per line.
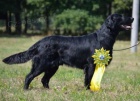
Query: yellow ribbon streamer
x=101 y=58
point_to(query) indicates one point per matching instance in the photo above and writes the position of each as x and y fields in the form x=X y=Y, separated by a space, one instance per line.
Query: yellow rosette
x=101 y=58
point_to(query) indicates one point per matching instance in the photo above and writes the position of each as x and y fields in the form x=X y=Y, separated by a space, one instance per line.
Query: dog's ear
x=109 y=22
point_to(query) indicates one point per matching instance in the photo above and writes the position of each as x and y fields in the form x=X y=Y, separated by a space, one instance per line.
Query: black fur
x=50 y=52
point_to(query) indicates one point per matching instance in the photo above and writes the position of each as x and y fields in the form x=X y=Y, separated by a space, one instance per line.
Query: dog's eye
x=117 y=18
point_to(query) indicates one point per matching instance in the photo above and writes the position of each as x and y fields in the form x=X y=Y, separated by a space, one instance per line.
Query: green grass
x=121 y=80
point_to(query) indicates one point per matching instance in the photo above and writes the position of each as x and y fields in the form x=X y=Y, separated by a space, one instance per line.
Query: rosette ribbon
x=101 y=58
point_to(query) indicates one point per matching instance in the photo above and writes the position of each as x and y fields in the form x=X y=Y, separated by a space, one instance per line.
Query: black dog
x=50 y=52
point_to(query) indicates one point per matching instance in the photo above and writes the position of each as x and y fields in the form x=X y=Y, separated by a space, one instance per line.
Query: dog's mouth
x=126 y=27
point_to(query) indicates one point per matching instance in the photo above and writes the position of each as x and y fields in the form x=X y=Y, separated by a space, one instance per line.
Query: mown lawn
x=121 y=81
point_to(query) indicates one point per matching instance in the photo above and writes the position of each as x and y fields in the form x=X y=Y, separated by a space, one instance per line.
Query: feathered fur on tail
x=21 y=57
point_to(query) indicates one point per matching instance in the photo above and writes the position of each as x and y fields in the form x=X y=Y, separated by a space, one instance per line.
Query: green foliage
x=76 y=21
x=71 y=16
x=34 y=8
x=122 y=5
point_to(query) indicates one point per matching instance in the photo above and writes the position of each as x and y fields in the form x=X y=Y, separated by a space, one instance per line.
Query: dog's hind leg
x=31 y=76
x=49 y=72
x=37 y=69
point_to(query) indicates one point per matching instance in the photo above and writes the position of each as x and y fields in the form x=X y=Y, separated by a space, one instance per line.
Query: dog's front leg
x=89 y=70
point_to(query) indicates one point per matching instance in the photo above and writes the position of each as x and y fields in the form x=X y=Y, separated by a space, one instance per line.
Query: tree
x=15 y=7
x=75 y=22
x=96 y=10
x=39 y=8
x=18 y=10
x=123 y=6
x=5 y=13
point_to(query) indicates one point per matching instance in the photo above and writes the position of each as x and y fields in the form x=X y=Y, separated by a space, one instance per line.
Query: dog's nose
x=132 y=18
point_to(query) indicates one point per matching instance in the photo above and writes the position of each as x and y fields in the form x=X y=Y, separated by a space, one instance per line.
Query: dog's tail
x=21 y=57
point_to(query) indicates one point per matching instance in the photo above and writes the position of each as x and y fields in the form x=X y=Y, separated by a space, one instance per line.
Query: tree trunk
x=18 y=22
x=8 y=22
x=47 y=23
x=26 y=25
x=109 y=8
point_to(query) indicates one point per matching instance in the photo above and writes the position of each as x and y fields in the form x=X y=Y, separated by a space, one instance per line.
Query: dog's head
x=119 y=22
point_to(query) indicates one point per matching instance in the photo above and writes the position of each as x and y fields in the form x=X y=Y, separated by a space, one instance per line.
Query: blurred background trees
x=69 y=17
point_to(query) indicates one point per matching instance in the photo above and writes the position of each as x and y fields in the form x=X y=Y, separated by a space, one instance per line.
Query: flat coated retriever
x=76 y=51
